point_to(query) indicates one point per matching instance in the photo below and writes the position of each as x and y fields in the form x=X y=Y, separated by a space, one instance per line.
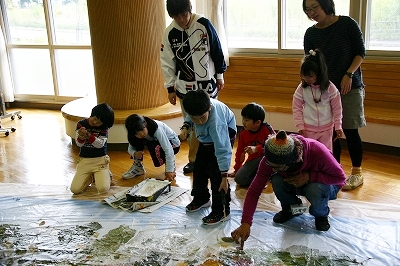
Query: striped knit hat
x=281 y=149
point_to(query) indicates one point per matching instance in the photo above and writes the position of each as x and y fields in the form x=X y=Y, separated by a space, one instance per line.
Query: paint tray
x=148 y=190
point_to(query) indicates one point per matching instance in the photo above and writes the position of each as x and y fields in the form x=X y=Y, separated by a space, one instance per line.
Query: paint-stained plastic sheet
x=64 y=230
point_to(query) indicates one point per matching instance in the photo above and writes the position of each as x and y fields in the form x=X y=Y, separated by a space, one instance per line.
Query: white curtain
x=213 y=10
x=5 y=74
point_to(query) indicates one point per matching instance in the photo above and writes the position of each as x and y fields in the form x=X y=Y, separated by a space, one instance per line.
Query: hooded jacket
x=317 y=160
x=191 y=58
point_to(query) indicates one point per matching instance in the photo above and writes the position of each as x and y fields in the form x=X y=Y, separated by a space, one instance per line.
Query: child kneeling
x=161 y=141
x=91 y=138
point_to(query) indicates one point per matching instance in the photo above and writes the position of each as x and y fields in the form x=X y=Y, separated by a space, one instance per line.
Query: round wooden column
x=126 y=40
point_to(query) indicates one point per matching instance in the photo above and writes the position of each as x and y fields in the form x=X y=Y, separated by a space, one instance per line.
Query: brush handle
x=223 y=197
x=223 y=201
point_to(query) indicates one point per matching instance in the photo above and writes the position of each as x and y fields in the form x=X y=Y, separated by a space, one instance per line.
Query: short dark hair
x=327 y=5
x=177 y=7
x=135 y=123
x=196 y=102
x=253 y=111
x=104 y=113
x=315 y=64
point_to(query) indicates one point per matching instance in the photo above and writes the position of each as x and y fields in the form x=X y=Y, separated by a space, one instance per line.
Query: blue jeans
x=317 y=194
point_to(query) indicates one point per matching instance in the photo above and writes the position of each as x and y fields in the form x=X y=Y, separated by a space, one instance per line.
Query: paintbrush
x=227 y=239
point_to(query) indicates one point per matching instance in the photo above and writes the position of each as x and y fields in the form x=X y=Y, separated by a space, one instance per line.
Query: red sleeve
x=239 y=151
x=91 y=139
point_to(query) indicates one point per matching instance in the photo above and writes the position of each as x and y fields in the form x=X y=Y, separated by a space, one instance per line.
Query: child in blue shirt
x=215 y=127
x=161 y=141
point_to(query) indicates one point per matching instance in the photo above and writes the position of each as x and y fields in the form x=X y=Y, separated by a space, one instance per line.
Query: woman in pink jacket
x=317 y=107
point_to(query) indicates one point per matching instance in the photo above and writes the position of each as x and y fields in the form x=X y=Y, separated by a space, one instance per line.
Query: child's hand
x=220 y=84
x=170 y=176
x=184 y=134
x=224 y=185
x=82 y=132
x=298 y=179
x=242 y=157
x=339 y=134
x=250 y=149
x=172 y=98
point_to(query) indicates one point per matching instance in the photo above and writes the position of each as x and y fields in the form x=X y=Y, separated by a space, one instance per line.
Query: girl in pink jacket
x=317 y=107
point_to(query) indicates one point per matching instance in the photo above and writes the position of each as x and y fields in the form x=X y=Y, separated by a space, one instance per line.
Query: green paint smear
x=298 y=256
x=8 y=230
x=153 y=259
x=112 y=241
x=76 y=245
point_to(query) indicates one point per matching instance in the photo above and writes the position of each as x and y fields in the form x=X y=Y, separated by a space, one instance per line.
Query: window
x=31 y=69
x=48 y=42
x=254 y=25
x=295 y=22
x=281 y=24
x=71 y=22
x=383 y=25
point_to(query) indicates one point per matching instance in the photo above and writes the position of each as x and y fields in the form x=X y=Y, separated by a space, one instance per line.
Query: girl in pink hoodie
x=317 y=107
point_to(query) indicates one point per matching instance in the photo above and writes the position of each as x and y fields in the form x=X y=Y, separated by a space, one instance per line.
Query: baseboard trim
x=35 y=105
x=378 y=148
x=367 y=146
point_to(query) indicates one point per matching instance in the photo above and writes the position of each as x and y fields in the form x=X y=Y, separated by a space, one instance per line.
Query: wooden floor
x=39 y=152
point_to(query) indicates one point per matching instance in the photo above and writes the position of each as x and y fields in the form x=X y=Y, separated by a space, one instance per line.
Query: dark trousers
x=157 y=153
x=354 y=145
x=206 y=168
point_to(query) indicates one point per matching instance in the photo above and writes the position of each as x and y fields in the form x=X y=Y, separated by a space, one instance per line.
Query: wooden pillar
x=126 y=39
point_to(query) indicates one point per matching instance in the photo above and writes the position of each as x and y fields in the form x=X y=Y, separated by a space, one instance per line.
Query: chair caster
x=13 y=117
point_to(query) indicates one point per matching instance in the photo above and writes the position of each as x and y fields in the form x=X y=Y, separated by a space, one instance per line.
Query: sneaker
x=322 y=223
x=194 y=206
x=215 y=218
x=188 y=168
x=135 y=170
x=353 y=181
x=283 y=216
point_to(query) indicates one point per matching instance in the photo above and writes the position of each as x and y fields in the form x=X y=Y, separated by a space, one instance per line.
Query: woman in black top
x=340 y=39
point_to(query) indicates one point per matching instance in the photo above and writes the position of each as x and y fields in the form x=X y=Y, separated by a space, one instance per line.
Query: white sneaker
x=353 y=181
x=135 y=170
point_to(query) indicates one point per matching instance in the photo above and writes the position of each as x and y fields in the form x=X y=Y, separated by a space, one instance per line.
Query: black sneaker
x=195 y=206
x=188 y=168
x=283 y=216
x=215 y=218
x=322 y=223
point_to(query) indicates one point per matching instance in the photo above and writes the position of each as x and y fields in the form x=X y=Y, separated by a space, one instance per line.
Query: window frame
x=357 y=10
x=51 y=47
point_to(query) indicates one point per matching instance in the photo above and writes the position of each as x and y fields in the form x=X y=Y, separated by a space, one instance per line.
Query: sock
x=137 y=162
x=356 y=170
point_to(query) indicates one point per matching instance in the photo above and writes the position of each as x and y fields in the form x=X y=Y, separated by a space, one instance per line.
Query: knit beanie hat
x=281 y=149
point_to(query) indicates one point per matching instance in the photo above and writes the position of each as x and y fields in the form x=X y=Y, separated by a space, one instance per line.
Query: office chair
x=6 y=130
x=4 y=114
